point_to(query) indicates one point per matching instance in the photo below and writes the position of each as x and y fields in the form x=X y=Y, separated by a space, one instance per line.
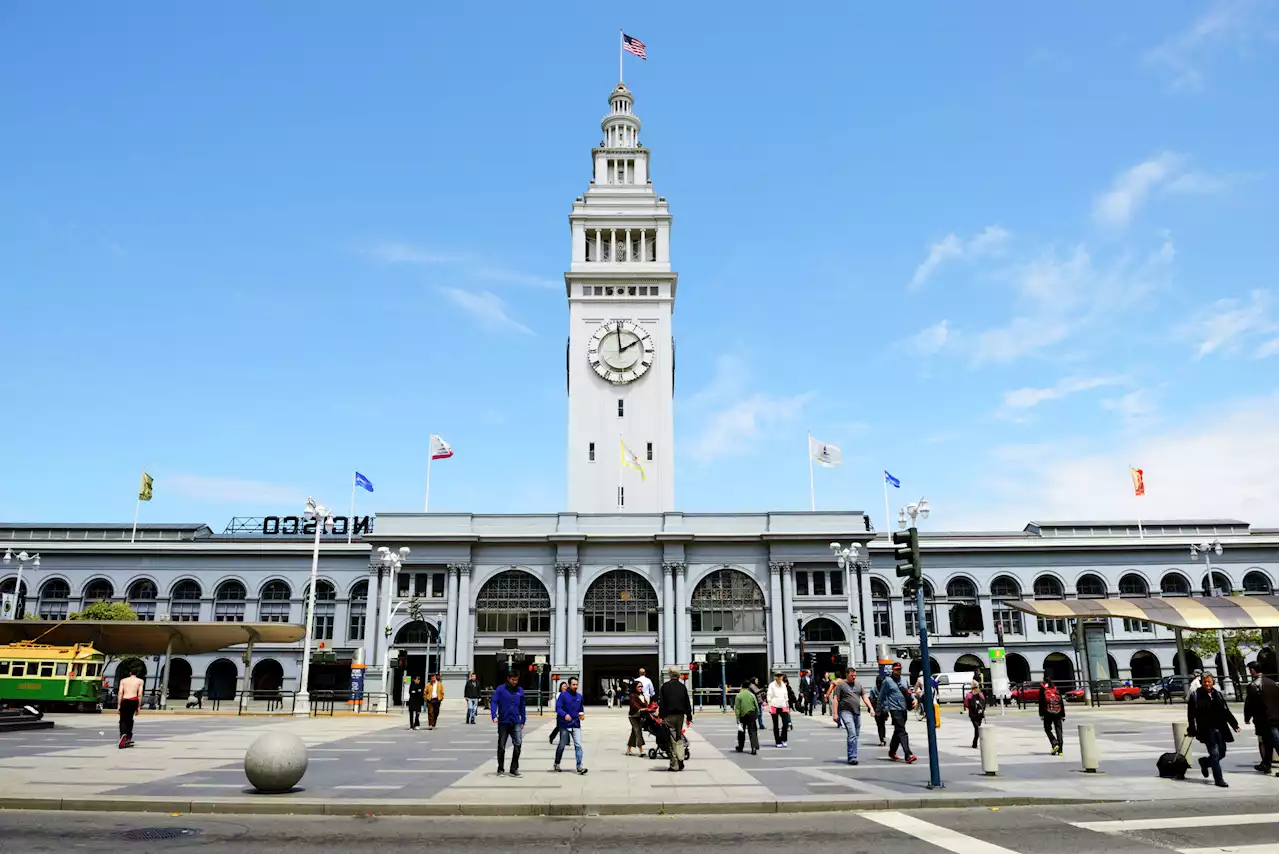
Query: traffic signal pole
x=906 y=553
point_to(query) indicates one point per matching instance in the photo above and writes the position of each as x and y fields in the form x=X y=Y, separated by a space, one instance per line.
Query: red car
x=1119 y=691
x=1027 y=694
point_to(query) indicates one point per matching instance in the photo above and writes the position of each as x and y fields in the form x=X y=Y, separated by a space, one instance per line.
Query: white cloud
x=1227 y=327
x=487 y=308
x=1183 y=58
x=928 y=341
x=1028 y=398
x=228 y=489
x=1223 y=464
x=1118 y=205
x=1134 y=408
x=990 y=241
x=462 y=264
x=734 y=421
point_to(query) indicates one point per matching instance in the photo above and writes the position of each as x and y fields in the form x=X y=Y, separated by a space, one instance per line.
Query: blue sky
x=1002 y=250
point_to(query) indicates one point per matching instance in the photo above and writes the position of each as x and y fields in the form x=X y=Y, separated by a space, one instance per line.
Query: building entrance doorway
x=601 y=671
x=420 y=665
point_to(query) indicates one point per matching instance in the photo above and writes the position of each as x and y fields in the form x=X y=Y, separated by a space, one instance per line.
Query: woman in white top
x=779 y=708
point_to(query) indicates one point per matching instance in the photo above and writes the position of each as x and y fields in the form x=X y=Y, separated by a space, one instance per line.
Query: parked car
x=1119 y=691
x=1027 y=694
x=1175 y=686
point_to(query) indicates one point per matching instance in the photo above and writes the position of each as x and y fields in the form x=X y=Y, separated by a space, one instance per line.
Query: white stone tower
x=621 y=356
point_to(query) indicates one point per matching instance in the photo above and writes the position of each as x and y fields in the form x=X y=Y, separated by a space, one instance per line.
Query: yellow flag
x=144 y=494
x=630 y=460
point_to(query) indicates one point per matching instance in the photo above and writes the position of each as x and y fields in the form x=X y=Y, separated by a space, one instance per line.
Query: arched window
x=513 y=602
x=357 y=608
x=961 y=588
x=1257 y=584
x=98 y=590
x=1175 y=584
x=1133 y=585
x=184 y=602
x=1221 y=584
x=1091 y=586
x=273 y=604
x=883 y=626
x=822 y=630
x=142 y=598
x=54 y=594
x=1003 y=588
x=326 y=608
x=228 y=602
x=909 y=608
x=1047 y=587
x=620 y=602
x=416 y=633
x=727 y=601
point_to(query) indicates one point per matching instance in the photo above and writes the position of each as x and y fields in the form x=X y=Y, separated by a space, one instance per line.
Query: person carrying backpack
x=976 y=704
x=1052 y=711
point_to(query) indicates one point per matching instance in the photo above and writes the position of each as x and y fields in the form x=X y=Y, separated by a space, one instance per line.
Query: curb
x=265 y=805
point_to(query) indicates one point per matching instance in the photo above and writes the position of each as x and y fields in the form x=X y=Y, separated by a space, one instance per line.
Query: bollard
x=1181 y=744
x=987 y=745
x=1088 y=748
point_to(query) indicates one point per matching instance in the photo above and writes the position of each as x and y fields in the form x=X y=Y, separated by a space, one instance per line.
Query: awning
x=1178 y=612
x=149 y=638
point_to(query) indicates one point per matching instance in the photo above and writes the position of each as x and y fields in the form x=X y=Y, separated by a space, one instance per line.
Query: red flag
x=1139 y=488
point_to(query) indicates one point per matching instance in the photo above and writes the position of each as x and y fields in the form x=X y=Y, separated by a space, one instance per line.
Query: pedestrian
x=850 y=699
x=976 y=704
x=506 y=708
x=825 y=689
x=434 y=696
x=569 y=716
x=882 y=716
x=555 y=729
x=1261 y=704
x=779 y=700
x=129 y=704
x=1209 y=720
x=646 y=685
x=674 y=708
x=806 y=693
x=636 y=707
x=1052 y=712
x=896 y=700
x=415 y=703
x=745 y=710
x=471 y=691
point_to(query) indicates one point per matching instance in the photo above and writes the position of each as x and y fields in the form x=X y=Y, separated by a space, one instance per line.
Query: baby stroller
x=655 y=727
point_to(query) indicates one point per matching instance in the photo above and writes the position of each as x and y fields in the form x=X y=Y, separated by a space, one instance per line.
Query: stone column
x=644 y=251
x=465 y=655
x=791 y=639
x=599 y=254
x=451 y=618
x=573 y=653
x=866 y=617
x=668 y=617
x=371 y=620
x=779 y=617
x=561 y=641
x=613 y=244
x=679 y=606
x=628 y=256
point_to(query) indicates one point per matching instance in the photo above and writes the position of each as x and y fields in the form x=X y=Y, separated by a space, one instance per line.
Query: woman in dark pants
x=636 y=708
x=1210 y=721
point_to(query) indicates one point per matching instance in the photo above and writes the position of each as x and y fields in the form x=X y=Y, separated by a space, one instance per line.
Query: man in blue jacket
x=507 y=710
x=569 y=716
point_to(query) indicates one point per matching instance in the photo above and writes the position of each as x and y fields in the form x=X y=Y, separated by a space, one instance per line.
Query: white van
x=953 y=686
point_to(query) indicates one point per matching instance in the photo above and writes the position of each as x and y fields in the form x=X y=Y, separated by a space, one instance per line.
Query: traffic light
x=906 y=553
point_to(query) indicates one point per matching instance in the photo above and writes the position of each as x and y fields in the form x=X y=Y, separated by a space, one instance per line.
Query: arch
x=968 y=663
x=823 y=630
x=98 y=590
x=276 y=590
x=54 y=588
x=416 y=633
x=228 y=601
x=1018 y=668
x=1005 y=587
x=620 y=601
x=142 y=590
x=909 y=590
x=6 y=586
x=186 y=590
x=220 y=679
x=129 y=665
x=267 y=676
x=917 y=668
x=179 y=680
x=1059 y=668
x=360 y=590
x=1113 y=669
x=1221 y=582
x=1256 y=583
x=1133 y=585
x=325 y=591
x=879 y=589
x=1174 y=583
x=1048 y=586
x=1194 y=662
x=514 y=601
x=1144 y=666
x=230 y=591
x=727 y=600
x=961 y=587
x=1091 y=586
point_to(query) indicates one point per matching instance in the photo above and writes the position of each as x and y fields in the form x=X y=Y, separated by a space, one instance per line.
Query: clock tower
x=621 y=356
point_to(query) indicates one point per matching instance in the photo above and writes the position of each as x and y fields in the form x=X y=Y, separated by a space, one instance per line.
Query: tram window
x=4 y=668
x=19 y=668
x=46 y=668
x=61 y=669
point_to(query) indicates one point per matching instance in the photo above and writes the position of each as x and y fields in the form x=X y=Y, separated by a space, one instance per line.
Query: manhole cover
x=145 y=834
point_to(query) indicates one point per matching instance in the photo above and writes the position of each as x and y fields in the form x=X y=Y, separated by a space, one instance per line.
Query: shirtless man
x=130 y=702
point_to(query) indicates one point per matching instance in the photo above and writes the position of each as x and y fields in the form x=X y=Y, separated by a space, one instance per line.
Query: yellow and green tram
x=51 y=677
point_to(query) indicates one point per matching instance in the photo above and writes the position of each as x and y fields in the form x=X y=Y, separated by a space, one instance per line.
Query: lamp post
x=324 y=521
x=392 y=561
x=1215 y=547
x=20 y=600
x=800 y=615
x=851 y=559
x=920 y=510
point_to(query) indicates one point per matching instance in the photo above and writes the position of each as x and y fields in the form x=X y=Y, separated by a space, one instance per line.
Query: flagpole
x=352 y=517
x=1136 y=502
x=888 y=521
x=620 y=54
x=136 y=507
x=431 y=452
x=813 y=505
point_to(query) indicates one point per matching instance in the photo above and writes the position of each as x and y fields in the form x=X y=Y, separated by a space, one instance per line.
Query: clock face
x=620 y=351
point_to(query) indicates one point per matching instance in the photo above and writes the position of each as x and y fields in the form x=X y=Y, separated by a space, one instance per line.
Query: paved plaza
x=374 y=763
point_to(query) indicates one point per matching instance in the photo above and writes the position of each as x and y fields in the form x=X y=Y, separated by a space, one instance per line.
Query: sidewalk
x=373 y=764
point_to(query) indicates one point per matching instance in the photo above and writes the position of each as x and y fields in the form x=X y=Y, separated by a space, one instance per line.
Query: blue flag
x=888 y=478
x=364 y=482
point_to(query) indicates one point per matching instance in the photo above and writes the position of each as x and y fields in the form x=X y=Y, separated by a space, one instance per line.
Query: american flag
x=633 y=45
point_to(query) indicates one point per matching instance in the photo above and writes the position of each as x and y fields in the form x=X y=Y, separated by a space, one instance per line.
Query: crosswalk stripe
x=942 y=837
x=1264 y=848
x=1175 y=822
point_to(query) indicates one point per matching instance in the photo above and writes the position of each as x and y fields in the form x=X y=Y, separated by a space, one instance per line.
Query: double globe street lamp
x=392 y=561
x=19 y=600
x=324 y=524
x=1214 y=547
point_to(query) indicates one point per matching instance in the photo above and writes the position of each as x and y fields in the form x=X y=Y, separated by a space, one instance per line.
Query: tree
x=106 y=611
x=1238 y=643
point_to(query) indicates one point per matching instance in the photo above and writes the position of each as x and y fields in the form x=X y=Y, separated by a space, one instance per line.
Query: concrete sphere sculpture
x=275 y=762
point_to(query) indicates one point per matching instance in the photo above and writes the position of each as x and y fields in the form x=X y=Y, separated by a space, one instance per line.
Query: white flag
x=825 y=455
x=440 y=449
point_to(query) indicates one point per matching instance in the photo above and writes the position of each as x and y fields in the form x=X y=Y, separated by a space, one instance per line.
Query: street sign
x=995 y=653
x=540 y=660
x=700 y=657
x=844 y=650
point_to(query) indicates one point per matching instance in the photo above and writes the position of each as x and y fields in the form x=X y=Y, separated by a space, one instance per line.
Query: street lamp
x=800 y=615
x=1214 y=547
x=392 y=561
x=324 y=522
x=920 y=508
x=19 y=600
x=851 y=559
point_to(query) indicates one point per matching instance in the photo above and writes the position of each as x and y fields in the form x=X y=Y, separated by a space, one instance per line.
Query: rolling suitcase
x=1174 y=766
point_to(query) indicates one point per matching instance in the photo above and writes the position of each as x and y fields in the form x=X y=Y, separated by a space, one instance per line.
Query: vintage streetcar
x=51 y=678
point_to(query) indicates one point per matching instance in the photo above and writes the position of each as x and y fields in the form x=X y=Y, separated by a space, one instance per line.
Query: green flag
x=144 y=494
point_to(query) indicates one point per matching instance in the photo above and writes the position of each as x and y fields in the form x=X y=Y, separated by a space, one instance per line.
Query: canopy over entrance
x=1177 y=612
x=117 y=637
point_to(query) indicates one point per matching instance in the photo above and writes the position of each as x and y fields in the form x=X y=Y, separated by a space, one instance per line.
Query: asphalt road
x=1200 y=826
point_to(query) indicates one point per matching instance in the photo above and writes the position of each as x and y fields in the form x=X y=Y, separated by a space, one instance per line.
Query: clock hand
x=629 y=346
